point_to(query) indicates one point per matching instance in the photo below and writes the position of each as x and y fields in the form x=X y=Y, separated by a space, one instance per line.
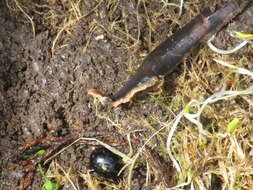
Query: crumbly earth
x=80 y=45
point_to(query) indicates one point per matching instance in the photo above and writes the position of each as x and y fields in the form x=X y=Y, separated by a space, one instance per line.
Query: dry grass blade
x=67 y=176
x=72 y=22
x=93 y=184
x=114 y=150
x=68 y=24
x=29 y=18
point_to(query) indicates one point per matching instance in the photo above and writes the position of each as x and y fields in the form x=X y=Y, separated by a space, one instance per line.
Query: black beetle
x=105 y=163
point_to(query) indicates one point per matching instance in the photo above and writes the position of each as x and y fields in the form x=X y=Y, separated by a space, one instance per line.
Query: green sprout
x=232 y=125
x=38 y=153
x=187 y=108
x=202 y=142
x=48 y=184
x=246 y=36
x=190 y=174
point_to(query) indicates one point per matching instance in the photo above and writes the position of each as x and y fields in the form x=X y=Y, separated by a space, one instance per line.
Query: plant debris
x=53 y=52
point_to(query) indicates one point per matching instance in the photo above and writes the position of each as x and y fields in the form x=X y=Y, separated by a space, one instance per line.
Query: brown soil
x=43 y=91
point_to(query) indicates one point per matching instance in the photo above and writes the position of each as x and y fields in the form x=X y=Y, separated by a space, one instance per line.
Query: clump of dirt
x=80 y=45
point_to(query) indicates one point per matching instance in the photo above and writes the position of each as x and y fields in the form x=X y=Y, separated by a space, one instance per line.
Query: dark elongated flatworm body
x=163 y=59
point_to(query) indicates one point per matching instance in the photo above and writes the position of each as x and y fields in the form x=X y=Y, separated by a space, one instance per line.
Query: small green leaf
x=187 y=108
x=243 y=35
x=190 y=174
x=40 y=152
x=57 y=186
x=49 y=185
x=232 y=125
x=202 y=143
